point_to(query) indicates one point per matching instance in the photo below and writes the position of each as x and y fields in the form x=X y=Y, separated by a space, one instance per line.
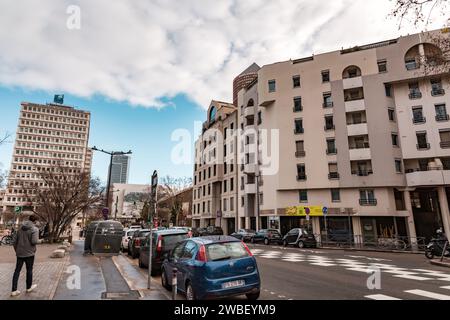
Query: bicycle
x=391 y=244
x=8 y=239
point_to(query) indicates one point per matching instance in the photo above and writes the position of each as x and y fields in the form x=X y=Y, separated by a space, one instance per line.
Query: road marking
x=293 y=260
x=408 y=276
x=428 y=271
x=429 y=294
x=365 y=270
x=323 y=264
x=381 y=297
x=446 y=287
x=281 y=297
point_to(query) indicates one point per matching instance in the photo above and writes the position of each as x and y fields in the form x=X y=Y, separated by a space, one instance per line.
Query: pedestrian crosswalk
x=417 y=293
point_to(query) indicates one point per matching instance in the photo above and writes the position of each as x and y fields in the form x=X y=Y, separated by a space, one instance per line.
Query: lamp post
x=112 y=154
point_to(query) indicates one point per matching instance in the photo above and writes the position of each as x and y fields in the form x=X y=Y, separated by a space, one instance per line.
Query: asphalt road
x=302 y=274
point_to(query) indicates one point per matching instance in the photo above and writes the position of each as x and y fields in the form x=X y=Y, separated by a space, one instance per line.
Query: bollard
x=174 y=283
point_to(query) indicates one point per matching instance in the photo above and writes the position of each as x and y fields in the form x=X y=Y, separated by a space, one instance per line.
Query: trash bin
x=107 y=238
x=88 y=236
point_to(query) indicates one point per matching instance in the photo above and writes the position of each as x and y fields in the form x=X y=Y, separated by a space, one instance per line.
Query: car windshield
x=226 y=251
x=275 y=232
x=303 y=231
x=249 y=231
x=170 y=240
x=143 y=233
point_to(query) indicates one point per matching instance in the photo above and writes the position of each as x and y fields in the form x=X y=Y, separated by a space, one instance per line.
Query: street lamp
x=112 y=154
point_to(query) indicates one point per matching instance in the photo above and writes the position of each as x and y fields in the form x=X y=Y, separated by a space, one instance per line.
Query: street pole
x=257 y=201
x=150 y=252
x=115 y=214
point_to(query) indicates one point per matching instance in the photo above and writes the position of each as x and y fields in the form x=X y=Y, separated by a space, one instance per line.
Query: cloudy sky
x=163 y=54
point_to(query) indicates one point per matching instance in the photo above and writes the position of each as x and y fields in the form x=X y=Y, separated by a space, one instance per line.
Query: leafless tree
x=64 y=193
x=419 y=12
x=3 y=178
x=168 y=189
x=4 y=138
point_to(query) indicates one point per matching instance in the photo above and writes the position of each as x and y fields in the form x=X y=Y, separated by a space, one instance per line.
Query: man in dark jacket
x=24 y=242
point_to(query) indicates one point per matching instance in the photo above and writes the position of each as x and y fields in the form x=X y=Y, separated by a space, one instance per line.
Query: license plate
x=233 y=284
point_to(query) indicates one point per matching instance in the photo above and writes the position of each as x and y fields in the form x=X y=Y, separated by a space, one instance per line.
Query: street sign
x=105 y=212
x=325 y=211
x=18 y=209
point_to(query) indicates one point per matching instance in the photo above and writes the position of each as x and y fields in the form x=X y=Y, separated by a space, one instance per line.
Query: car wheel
x=301 y=244
x=285 y=243
x=164 y=281
x=190 y=294
x=266 y=241
x=429 y=254
x=253 y=296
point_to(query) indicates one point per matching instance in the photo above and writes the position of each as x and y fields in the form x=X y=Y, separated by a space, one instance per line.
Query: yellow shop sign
x=314 y=211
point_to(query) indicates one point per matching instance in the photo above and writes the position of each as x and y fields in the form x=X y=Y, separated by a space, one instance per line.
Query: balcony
x=250 y=188
x=437 y=92
x=357 y=129
x=331 y=151
x=368 y=202
x=355 y=105
x=442 y=117
x=423 y=146
x=249 y=111
x=250 y=168
x=415 y=95
x=445 y=144
x=351 y=83
x=362 y=173
x=333 y=176
x=328 y=127
x=299 y=131
x=327 y=104
x=299 y=154
x=301 y=177
x=429 y=177
x=360 y=154
x=419 y=120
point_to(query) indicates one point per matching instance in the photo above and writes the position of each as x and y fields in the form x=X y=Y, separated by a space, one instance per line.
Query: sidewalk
x=438 y=262
x=46 y=273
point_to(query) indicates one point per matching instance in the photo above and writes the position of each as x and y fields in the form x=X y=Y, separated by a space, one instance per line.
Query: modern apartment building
x=120 y=169
x=362 y=141
x=46 y=134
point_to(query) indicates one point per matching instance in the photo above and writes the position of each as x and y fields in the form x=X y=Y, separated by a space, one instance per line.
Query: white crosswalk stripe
x=381 y=297
x=446 y=287
x=411 y=277
x=428 y=294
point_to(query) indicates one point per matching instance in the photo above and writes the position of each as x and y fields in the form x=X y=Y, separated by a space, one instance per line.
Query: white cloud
x=141 y=51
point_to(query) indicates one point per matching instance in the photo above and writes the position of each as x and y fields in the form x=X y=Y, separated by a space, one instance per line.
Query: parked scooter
x=437 y=246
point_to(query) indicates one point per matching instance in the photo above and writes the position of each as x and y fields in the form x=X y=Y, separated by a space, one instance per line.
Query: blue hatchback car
x=212 y=267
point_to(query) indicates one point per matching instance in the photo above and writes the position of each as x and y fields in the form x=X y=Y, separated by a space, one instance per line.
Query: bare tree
x=64 y=193
x=420 y=11
x=168 y=189
x=3 y=178
x=4 y=138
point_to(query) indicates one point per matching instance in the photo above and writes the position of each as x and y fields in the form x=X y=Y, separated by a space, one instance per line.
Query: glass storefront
x=336 y=229
x=288 y=223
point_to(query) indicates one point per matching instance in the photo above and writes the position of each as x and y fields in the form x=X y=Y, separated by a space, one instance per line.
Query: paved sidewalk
x=46 y=273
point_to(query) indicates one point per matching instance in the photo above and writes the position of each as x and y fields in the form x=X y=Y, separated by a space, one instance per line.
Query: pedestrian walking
x=24 y=242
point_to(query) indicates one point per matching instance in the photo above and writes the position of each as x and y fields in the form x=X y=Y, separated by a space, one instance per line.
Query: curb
x=439 y=263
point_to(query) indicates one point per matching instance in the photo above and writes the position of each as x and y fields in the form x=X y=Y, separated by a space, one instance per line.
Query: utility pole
x=154 y=196
x=112 y=154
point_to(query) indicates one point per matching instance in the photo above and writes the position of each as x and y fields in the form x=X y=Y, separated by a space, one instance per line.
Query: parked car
x=212 y=267
x=244 y=234
x=197 y=231
x=135 y=243
x=299 y=237
x=187 y=229
x=127 y=235
x=163 y=242
x=267 y=236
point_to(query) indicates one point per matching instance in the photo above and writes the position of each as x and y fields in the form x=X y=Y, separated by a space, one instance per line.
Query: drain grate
x=115 y=295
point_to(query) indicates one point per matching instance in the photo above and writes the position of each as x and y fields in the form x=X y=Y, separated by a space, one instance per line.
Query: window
x=418 y=114
x=232 y=204
x=209 y=189
x=329 y=125
x=436 y=87
x=299 y=148
x=333 y=171
x=297 y=104
x=394 y=138
x=391 y=114
x=327 y=101
x=335 y=195
x=326 y=76
x=214 y=170
x=224 y=168
x=296 y=81
x=414 y=90
x=303 y=195
x=209 y=172
x=367 y=197
x=411 y=63
x=301 y=171
x=331 y=146
x=231 y=184
x=272 y=85
x=441 y=112
x=298 y=126
x=422 y=140
x=259 y=117
x=388 y=90
x=225 y=201
x=398 y=166
x=225 y=186
x=382 y=66
x=444 y=134
x=242 y=201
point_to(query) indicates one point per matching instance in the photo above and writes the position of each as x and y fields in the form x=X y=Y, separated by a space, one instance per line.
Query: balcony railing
x=301 y=176
x=442 y=117
x=411 y=65
x=329 y=127
x=354 y=97
x=415 y=95
x=437 y=92
x=364 y=145
x=327 y=104
x=368 y=202
x=362 y=173
x=419 y=119
x=445 y=144
x=299 y=154
x=299 y=130
x=333 y=175
x=423 y=169
x=332 y=151
x=423 y=146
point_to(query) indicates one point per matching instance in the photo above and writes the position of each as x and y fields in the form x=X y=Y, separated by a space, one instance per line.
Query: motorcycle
x=437 y=246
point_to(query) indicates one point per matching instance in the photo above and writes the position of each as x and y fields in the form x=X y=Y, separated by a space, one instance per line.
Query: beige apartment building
x=46 y=134
x=362 y=139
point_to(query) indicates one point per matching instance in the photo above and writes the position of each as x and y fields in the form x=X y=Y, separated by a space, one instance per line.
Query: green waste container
x=88 y=236
x=106 y=238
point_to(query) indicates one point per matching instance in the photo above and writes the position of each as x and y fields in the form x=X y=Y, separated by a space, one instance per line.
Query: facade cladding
x=362 y=134
x=46 y=135
x=120 y=169
x=243 y=80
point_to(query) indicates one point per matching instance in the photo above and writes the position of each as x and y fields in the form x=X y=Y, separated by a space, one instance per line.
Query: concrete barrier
x=58 y=253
